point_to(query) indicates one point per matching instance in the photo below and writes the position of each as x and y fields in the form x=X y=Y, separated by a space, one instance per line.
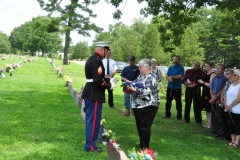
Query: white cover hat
x=103 y=44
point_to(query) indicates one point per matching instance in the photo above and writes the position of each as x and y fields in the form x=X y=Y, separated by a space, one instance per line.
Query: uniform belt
x=89 y=80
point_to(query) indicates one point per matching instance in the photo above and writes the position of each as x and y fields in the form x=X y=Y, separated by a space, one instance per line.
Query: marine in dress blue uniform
x=94 y=94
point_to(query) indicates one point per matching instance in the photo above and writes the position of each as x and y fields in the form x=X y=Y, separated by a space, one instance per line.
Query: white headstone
x=73 y=92
x=2 y=75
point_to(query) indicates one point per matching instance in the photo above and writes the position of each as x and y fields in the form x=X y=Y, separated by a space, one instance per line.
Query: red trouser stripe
x=94 y=123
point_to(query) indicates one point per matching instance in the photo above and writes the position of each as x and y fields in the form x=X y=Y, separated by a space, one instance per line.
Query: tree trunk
x=67 y=43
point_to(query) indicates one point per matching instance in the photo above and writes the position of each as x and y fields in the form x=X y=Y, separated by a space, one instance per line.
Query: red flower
x=128 y=91
x=149 y=151
x=194 y=82
x=205 y=97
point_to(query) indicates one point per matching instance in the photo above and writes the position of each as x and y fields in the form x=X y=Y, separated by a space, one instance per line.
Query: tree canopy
x=5 y=46
x=40 y=34
x=72 y=15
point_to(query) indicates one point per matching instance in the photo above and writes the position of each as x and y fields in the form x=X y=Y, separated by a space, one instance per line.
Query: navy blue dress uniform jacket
x=94 y=70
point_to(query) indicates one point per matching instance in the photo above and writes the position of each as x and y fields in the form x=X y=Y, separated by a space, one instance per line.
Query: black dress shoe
x=165 y=116
x=98 y=150
x=112 y=107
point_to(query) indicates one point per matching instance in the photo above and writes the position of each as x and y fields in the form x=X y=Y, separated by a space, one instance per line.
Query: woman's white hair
x=153 y=60
x=237 y=71
x=145 y=63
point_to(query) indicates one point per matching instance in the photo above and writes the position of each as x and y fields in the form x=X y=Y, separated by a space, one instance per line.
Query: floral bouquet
x=107 y=134
x=67 y=79
x=147 y=154
x=102 y=121
x=8 y=67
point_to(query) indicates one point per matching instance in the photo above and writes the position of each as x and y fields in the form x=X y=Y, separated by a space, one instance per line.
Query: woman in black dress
x=206 y=81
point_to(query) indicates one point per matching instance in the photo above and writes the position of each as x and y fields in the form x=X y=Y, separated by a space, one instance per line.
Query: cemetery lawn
x=40 y=120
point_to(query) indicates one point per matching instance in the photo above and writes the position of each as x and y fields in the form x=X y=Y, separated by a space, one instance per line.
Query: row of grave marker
x=11 y=67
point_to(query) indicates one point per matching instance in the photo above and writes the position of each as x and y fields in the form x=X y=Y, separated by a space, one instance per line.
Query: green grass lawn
x=39 y=120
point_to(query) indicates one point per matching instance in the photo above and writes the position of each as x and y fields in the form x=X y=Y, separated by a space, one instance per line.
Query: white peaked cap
x=102 y=44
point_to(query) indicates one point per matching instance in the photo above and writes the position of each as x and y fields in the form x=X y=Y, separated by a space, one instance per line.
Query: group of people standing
x=209 y=91
x=205 y=88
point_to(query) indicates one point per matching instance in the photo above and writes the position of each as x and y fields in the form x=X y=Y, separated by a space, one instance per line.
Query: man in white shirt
x=110 y=70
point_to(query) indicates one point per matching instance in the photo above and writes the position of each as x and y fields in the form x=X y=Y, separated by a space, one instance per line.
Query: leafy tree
x=217 y=31
x=80 y=51
x=37 y=35
x=45 y=31
x=170 y=37
x=150 y=46
x=180 y=13
x=16 y=38
x=71 y=19
x=4 y=43
x=125 y=42
x=189 y=49
x=139 y=26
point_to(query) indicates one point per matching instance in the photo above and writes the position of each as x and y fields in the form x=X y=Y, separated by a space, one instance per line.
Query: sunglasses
x=197 y=65
x=227 y=73
x=234 y=75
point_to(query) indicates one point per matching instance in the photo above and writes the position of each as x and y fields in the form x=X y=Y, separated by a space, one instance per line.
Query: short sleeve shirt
x=130 y=72
x=217 y=85
x=174 y=71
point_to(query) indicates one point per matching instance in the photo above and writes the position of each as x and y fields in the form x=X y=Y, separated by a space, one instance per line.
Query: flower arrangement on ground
x=106 y=134
x=8 y=67
x=102 y=121
x=67 y=79
x=147 y=154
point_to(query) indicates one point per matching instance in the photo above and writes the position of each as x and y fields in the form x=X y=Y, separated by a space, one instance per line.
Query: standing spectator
x=129 y=73
x=94 y=95
x=155 y=70
x=192 y=92
x=110 y=70
x=229 y=74
x=174 y=89
x=145 y=102
x=216 y=89
x=206 y=82
x=232 y=104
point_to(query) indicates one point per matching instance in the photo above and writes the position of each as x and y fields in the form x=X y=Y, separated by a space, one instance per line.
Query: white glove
x=113 y=82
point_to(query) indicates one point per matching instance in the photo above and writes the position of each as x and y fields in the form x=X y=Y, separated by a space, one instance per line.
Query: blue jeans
x=127 y=100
